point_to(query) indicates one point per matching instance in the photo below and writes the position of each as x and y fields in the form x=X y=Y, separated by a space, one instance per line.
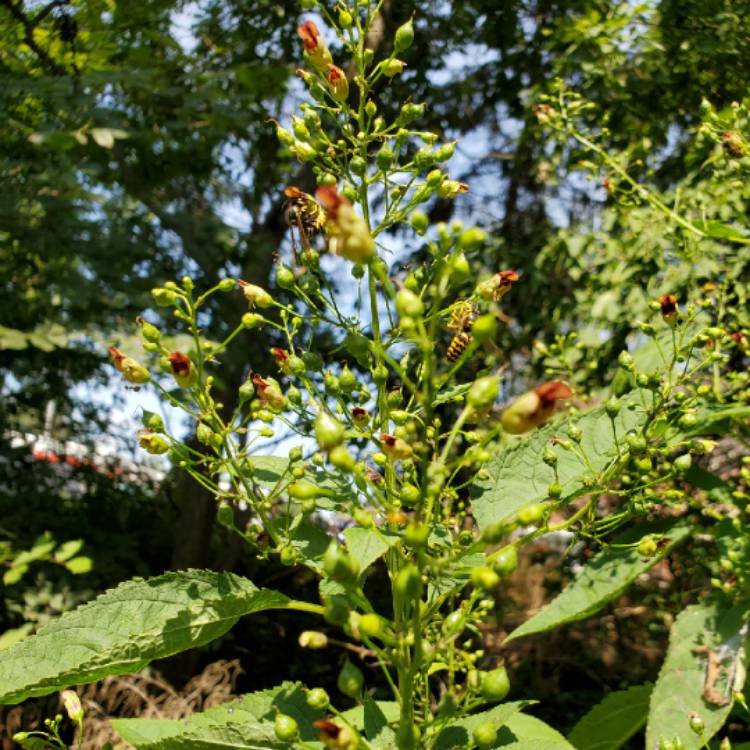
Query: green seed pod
x=472 y=239
x=338 y=564
x=408 y=583
x=425 y=157
x=408 y=304
x=350 y=680
x=445 y=152
x=152 y=421
x=380 y=374
x=636 y=444
x=288 y=555
x=683 y=463
x=549 y=456
x=371 y=625
x=284 y=276
x=285 y=728
x=419 y=222
x=150 y=332
x=495 y=685
x=505 y=561
x=251 y=320
x=384 y=157
x=164 y=297
x=484 y=578
x=303 y=489
x=687 y=421
x=409 y=494
x=347 y=380
x=318 y=698
x=153 y=444
x=404 y=36
x=612 y=407
x=531 y=514
x=416 y=535
x=410 y=112
x=328 y=431
x=358 y=165
x=284 y=137
x=341 y=458
x=484 y=735
x=294 y=395
x=483 y=392
x=225 y=515
x=345 y=18
x=493 y=533
x=331 y=383
x=454 y=623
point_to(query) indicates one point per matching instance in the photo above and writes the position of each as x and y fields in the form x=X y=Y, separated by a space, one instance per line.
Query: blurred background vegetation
x=136 y=145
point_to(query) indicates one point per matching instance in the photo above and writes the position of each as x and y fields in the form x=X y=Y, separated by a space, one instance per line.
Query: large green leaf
x=603 y=579
x=518 y=477
x=244 y=723
x=530 y=733
x=611 y=723
x=458 y=733
x=367 y=545
x=125 y=628
x=682 y=684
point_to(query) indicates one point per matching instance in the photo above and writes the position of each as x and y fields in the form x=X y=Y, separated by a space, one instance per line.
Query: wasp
x=463 y=314
x=304 y=212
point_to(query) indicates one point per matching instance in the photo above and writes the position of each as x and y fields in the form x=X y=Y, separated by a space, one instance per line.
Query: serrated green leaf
x=458 y=734
x=527 y=730
x=681 y=686
x=242 y=724
x=611 y=723
x=517 y=477
x=602 y=580
x=127 y=627
x=367 y=545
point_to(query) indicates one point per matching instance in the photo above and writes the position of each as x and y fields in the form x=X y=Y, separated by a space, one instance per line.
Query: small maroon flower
x=669 y=309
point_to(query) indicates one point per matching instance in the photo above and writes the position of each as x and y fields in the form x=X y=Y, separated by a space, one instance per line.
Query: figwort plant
x=414 y=462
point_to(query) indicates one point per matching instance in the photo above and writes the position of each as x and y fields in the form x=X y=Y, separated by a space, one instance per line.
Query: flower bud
x=449 y=189
x=393 y=67
x=317 y=53
x=284 y=137
x=251 y=320
x=303 y=151
x=533 y=408
x=338 y=85
x=328 y=431
x=148 y=331
x=345 y=18
x=669 y=309
x=153 y=443
x=163 y=297
x=349 y=235
x=132 y=371
x=318 y=698
x=269 y=392
x=183 y=369
x=697 y=724
x=313 y=639
x=404 y=36
x=72 y=704
x=256 y=296
x=396 y=448
x=496 y=287
x=303 y=489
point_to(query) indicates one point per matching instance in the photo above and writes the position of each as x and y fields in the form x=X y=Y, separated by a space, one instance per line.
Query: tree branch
x=28 y=26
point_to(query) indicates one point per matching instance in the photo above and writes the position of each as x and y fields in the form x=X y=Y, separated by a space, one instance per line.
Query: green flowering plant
x=406 y=450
